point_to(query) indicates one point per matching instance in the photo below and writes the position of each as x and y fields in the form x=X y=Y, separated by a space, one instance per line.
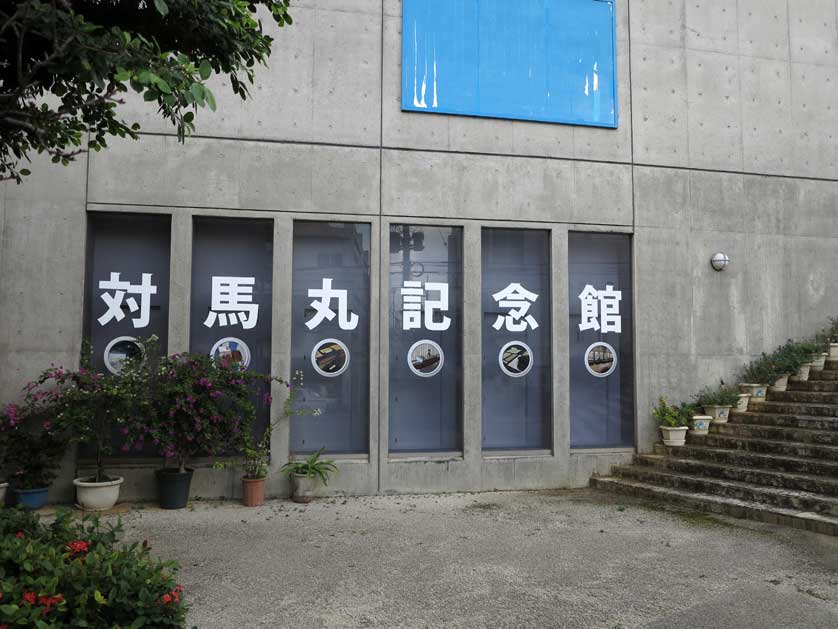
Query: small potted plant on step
x=756 y=376
x=699 y=424
x=306 y=475
x=718 y=401
x=673 y=424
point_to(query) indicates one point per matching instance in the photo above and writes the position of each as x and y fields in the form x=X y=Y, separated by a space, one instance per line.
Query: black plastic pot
x=173 y=487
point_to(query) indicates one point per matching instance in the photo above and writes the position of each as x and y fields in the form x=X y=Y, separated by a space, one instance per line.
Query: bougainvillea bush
x=72 y=573
x=195 y=407
x=31 y=444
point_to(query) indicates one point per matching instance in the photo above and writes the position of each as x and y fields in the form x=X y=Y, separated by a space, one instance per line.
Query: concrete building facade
x=725 y=143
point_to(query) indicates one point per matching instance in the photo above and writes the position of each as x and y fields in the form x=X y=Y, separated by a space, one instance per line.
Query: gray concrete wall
x=728 y=120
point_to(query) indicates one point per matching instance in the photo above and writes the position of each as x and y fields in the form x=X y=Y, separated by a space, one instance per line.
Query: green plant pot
x=173 y=487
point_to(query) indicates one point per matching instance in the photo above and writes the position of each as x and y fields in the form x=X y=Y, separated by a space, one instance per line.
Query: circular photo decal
x=425 y=358
x=600 y=360
x=515 y=359
x=231 y=351
x=119 y=350
x=330 y=358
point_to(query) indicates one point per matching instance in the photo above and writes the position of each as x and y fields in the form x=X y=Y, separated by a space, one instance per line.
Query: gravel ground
x=518 y=559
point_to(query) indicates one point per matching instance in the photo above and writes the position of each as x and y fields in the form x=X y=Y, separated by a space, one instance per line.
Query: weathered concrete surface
x=566 y=559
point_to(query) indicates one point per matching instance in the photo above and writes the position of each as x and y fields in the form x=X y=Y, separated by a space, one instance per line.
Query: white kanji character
x=412 y=294
x=519 y=300
x=233 y=295
x=440 y=304
x=323 y=309
x=601 y=309
x=590 y=308
x=121 y=288
x=609 y=310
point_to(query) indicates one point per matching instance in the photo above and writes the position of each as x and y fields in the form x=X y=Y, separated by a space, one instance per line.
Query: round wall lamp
x=720 y=261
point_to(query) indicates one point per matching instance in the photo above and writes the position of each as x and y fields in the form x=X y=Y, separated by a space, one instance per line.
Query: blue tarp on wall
x=544 y=60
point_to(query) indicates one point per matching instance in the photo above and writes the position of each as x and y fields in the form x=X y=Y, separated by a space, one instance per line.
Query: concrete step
x=768 y=446
x=760 y=460
x=778 y=419
x=721 y=505
x=777 y=433
x=815 y=385
x=795 y=408
x=804 y=397
x=831 y=364
x=779 y=497
x=825 y=375
x=824 y=485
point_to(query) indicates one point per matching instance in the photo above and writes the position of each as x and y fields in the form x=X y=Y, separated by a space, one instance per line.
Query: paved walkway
x=558 y=559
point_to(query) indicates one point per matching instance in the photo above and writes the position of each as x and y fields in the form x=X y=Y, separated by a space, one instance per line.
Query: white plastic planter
x=833 y=351
x=674 y=436
x=719 y=414
x=756 y=391
x=781 y=385
x=803 y=373
x=820 y=362
x=742 y=405
x=97 y=496
x=701 y=425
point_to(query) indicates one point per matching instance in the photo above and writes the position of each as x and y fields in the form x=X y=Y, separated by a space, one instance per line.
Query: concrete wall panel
x=492 y=187
x=237 y=175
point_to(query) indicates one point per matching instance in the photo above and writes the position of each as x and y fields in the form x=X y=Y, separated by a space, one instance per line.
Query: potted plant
x=809 y=351
x=786 y=360
x=306 y=475
x=718 y=401
x=672 y=423
x=193 y=407
x=254 y=457
x=743 y=401
x=89 y=406
x=699 y=424
x=34 y=447
x=755 y=378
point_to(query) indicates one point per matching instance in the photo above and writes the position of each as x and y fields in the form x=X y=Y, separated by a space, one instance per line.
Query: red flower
x=20 y=535
x=29 y=598
x=167 y=599
x=79 y=546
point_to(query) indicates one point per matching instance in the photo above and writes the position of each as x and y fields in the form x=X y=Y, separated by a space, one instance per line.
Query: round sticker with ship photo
x=330 y=358
x=231 y=351
x=425 y=358
x=515 y=359
x=600 y=360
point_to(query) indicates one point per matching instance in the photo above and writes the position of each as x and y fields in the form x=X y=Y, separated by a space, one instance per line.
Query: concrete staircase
x=776 y=463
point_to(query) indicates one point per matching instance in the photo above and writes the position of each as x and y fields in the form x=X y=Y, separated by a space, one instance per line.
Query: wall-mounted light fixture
x=719 y=261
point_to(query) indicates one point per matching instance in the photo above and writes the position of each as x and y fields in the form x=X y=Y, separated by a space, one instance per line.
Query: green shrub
x=669 y=416
x=759 y=371
x=789 y=357
x=72 y=573
x=722 y=395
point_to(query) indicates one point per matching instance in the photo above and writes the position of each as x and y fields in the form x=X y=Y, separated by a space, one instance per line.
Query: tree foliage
x=66 y=65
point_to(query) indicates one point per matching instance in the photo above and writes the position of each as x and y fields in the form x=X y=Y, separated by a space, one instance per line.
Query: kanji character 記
x=415 y=305
x=232 y=302
x=145 y=289
x=323 y=306
x=518 y=300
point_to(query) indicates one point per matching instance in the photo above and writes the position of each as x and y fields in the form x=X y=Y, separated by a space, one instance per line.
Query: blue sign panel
x=544 y=60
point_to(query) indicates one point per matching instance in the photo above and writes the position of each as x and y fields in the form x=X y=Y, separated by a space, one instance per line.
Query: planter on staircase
x=742 y=405
x=720 y=414
x=777 y=463
x=701 y=425
x=756 y=391
x=781 y=384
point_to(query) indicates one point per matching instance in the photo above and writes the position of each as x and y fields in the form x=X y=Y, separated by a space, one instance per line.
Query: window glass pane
x=601 y=365
x=127 y=291
x=331 y=336
x=517 y=404
x=426 y=315
x=232 y=287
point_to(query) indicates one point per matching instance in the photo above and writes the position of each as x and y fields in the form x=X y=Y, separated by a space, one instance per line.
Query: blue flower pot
x=32 y=499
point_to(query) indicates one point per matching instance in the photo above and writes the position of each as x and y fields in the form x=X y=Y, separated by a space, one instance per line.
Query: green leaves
x=162 y=7
x=85 y=64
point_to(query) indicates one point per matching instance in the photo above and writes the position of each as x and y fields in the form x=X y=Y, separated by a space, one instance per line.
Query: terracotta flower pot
x=253 y=492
